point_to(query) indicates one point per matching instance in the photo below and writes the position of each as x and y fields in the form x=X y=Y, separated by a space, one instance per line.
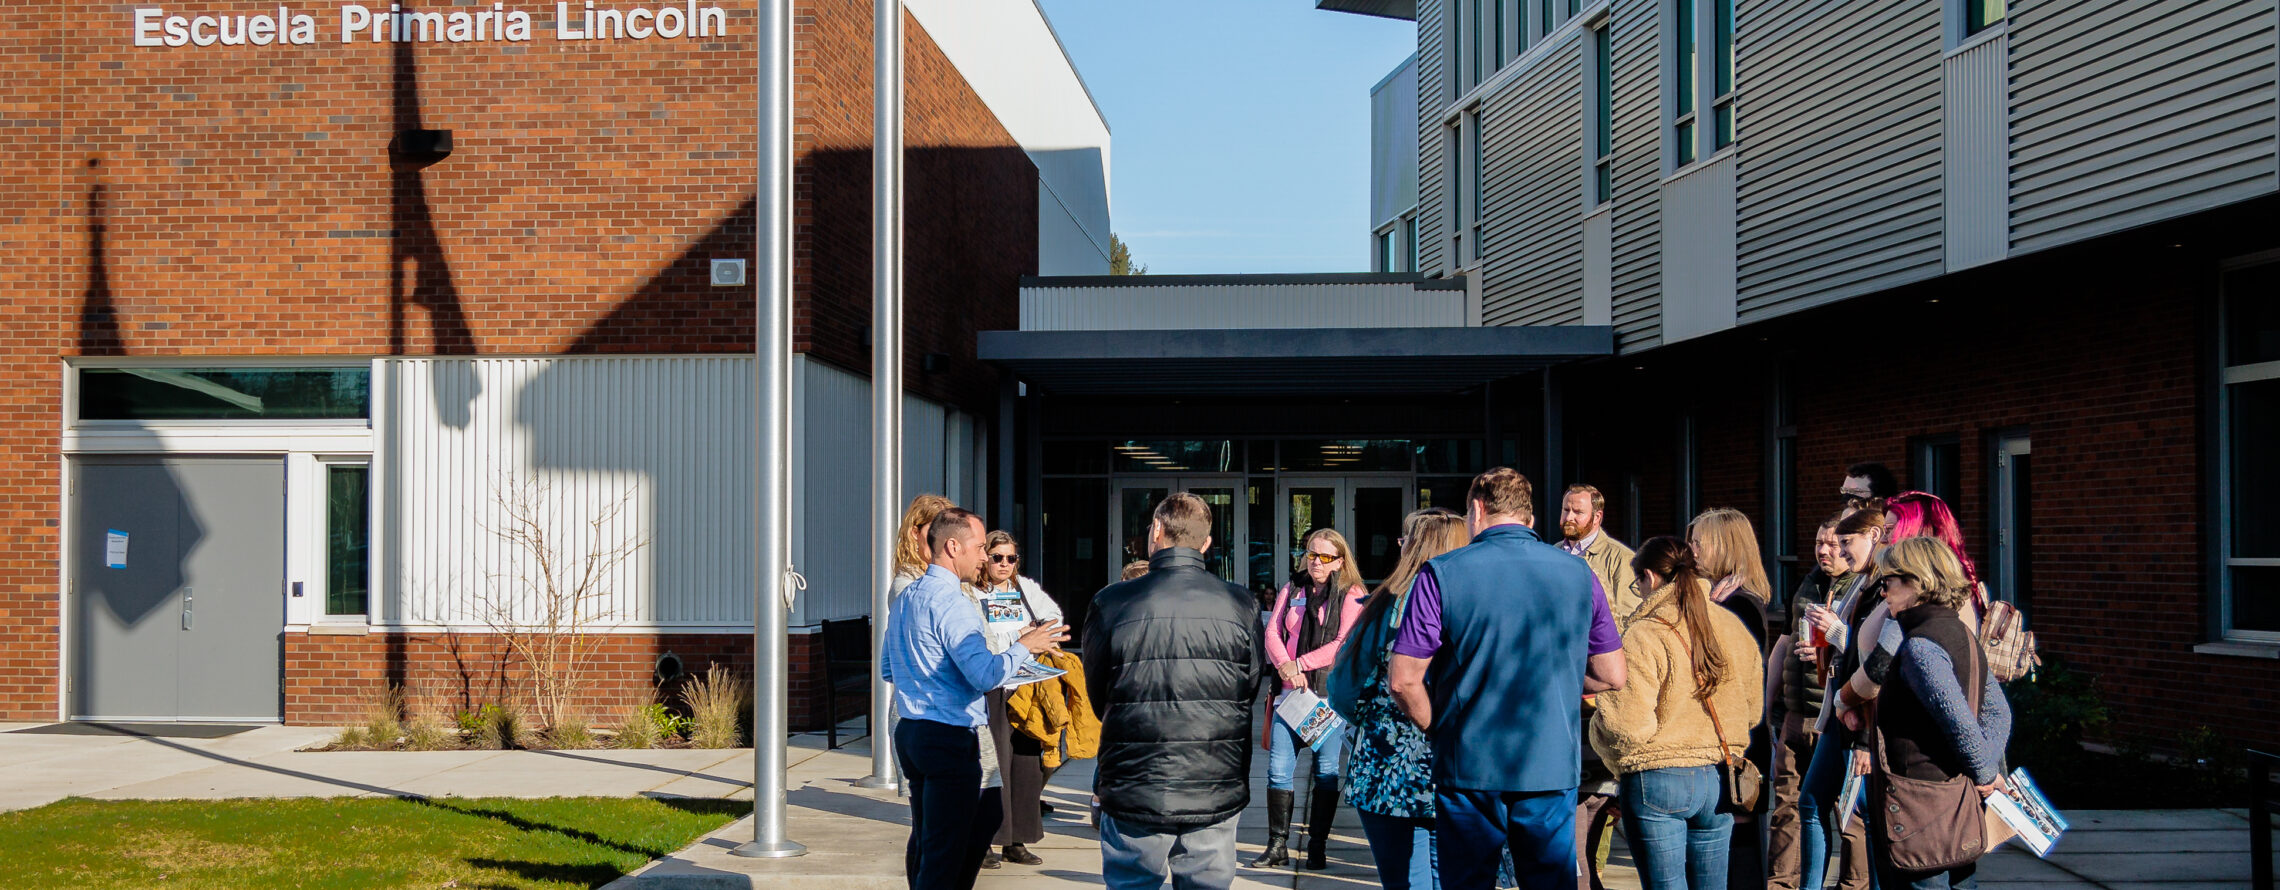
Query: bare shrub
x=546 y=609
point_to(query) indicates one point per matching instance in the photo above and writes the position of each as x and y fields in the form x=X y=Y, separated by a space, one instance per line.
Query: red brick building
x=253 y=311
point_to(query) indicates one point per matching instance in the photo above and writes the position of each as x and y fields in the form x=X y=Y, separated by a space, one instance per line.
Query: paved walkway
x=856 y=835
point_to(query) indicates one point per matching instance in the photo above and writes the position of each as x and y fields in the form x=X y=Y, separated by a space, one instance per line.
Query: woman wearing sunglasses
x=1010 y=602
x=1310 y=621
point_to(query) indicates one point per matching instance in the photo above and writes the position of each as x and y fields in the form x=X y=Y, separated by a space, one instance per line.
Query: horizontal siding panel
x=1839 y=190
x=2127 y=114
x=1637 y=227
x=1534 y=136
x=1239 y=306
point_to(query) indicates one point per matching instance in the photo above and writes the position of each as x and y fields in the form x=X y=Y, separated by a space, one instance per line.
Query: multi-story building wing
x=2025 y=253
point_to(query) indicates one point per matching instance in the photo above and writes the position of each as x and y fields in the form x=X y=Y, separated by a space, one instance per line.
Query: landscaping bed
x=349 y=842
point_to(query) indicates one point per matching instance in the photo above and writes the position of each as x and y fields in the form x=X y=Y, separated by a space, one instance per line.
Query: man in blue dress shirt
x=940 y=664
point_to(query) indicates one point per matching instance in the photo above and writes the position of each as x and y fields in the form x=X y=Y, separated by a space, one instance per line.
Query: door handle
x=188 y=617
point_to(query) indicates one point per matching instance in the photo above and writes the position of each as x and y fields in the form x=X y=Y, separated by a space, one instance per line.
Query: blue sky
x=1239 y=128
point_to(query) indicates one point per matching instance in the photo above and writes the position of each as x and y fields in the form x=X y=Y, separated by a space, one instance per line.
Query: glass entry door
x=1366 y=510
x=1136 y=501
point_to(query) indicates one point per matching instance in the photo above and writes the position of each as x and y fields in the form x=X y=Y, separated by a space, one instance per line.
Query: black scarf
x=1318 y=626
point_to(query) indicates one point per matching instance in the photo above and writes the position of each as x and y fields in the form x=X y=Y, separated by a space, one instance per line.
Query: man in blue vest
x=1499 y=643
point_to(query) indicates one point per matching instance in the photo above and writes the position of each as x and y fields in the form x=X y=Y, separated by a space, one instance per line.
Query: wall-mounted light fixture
x=420 y=147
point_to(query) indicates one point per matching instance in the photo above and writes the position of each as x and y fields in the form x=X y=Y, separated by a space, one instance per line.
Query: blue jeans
x=1817 y=815
x=1195 y=857
x=1472 y=829
x=1962 y=877
x=1671 y=816
x=1282 y=756
x=1403 y=848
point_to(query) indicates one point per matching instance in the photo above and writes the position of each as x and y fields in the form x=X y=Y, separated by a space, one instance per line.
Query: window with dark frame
x=1979 y=15
x=2249 y=417
x=1722 y=73
x=1680 y=66
x=1602 y=117
x=348 y=540
x=1477 y=163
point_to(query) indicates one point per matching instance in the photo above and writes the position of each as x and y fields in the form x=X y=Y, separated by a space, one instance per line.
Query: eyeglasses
x=1324 y=558
x=1878 y=587
x=1005 y=559
x=1855 y=500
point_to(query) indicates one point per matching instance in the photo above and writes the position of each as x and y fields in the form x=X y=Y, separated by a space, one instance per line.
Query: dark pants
x=943 y=765
x=1785 y=832
x=1591 y=818
x=1022 y=769
x=1471 y=829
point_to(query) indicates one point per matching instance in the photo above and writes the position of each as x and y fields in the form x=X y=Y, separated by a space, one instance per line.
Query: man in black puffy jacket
x=1172 y=659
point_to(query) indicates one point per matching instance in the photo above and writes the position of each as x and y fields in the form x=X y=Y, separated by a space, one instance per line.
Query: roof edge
x=1238 y=279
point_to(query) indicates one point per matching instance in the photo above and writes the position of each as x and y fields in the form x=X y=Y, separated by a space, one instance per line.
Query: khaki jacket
x=1611 y=562
x=1654 y=721
x=1057 y=710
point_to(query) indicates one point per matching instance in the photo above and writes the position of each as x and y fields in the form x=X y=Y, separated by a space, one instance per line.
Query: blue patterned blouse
x=1389 y=770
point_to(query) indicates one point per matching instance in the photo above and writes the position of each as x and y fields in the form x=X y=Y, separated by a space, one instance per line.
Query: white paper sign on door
x=115 y=549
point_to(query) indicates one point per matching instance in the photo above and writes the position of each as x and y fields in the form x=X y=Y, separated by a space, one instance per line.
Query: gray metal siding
x=1637 y=236
x=1698 y=251
x=1534 y=130
x=2126 y=113
x=1975 y=154
x=1433 y=170
x=1839 y=188
x=1393 y=145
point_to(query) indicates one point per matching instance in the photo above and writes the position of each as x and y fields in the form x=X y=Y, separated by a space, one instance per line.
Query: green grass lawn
x=475 y=842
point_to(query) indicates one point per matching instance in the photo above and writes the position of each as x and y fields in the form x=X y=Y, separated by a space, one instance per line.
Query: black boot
x=1321 y=808
x=1278 y=830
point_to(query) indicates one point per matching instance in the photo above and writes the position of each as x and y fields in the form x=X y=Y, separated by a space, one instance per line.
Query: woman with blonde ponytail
x=1696 y=686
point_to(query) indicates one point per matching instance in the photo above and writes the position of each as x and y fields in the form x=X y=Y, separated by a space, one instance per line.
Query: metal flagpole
x=886 y=361
x=771 y=421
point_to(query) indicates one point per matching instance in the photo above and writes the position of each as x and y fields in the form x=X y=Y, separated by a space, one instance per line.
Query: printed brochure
x=1308 y=716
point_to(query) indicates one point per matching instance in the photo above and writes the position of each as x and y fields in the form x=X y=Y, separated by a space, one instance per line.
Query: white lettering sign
x=395 y=24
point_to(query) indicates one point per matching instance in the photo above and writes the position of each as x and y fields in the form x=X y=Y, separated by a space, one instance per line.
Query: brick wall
x=333 y=679
x=2093 y=353
x=240 y=200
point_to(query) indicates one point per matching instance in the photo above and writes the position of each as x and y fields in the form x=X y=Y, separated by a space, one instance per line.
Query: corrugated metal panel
x=1239 y=306
x=460 y=438
x=1839 y=188
x=2122 y=114
x=1393 y=145
x=1637 y=235
x=1698 y=251
x=1533 y=134
x=1433 y=168
x=1598 y=279
x=833 y=535
x=1975 y=154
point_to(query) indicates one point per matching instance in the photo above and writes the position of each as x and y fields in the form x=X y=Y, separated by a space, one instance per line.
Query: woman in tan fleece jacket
x=1688 y=660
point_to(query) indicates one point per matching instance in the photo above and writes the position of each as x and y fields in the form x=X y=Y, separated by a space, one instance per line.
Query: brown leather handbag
x=1927 y=825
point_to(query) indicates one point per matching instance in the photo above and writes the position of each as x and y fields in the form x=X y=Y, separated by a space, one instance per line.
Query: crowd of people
x=1507 y=695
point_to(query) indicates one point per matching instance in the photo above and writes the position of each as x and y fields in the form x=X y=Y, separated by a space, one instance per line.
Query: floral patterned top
x=1389 y=768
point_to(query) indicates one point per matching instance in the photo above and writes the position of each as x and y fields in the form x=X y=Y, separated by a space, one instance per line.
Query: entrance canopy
x=1280 y=361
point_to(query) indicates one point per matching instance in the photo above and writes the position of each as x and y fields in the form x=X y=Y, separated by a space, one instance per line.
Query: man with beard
x=1583 y=515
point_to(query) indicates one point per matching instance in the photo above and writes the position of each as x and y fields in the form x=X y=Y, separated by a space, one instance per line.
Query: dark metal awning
x=1391 y=9
x=1286 y=361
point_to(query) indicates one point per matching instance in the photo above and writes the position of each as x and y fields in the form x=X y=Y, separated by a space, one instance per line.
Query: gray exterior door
x=185 y=623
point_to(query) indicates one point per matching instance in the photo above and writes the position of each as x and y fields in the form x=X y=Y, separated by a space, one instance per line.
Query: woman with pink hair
x=1910 y=514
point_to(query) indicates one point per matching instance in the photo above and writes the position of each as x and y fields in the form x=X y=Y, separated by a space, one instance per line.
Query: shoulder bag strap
x=1707 y=707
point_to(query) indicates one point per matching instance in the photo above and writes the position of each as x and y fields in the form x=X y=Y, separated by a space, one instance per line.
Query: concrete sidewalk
x=856 y=836
x=265 y=762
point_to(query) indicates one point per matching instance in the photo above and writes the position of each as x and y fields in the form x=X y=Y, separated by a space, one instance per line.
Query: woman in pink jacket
x=1311 y=618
